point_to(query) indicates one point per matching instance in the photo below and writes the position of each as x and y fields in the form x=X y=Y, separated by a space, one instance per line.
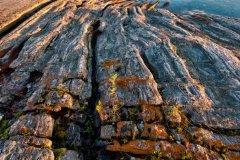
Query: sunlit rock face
x=120 y=79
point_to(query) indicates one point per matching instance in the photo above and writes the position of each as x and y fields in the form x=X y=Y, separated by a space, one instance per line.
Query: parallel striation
x=120 y=79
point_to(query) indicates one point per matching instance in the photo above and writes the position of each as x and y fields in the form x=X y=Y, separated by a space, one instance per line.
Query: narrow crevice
x=90 y=149
x=10 y=27
x=82 y=4
x=4 y=51
x=93 y=40
x=35 y=76
x=5 y=74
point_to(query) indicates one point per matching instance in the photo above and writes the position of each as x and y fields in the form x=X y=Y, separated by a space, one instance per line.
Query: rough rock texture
x=14 y=149
x=120 y=80
x=71 y=155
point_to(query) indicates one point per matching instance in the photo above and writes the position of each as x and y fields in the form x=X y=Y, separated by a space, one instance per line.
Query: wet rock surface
x=120 y=80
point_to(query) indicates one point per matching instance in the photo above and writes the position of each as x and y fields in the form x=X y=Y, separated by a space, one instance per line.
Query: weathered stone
x=107 y=132
x=57 y=100
x=137 y=61
x=80 y=88
x=154 y=132
x=145 y=147
x=217 y=140
x=199 y=152
x=14 y=87
x=14 y=150
x=71 y=155
x=235 y=146
x=172 y=114
x=134 y=83
x=151 y=113
x=127 y=129
x=33 y=141
x=180 y=135
x=215 y=27
x=105 y=113
x=232 y=155
x=74 y=137
x=160 y=53
x=40 y=125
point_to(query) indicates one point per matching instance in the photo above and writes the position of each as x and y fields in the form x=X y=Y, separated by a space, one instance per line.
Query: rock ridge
x=120 y=80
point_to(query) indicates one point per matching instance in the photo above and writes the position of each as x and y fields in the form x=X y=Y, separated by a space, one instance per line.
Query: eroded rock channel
x=120 y=80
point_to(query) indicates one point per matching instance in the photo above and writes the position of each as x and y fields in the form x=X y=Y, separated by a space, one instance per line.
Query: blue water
x=230 y=8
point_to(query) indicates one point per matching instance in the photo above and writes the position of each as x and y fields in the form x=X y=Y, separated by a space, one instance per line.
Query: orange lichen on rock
x=23 y=130
x=139 y=147
x=151 y=113
x=172 y=114
x=30 y=149
x=154 y=132
x=126 y=129
x=216 y=143
x=146 y=147
x=55 y=108
x=107 y=64
x=234 y=147
x=32 y=140
x=202 y=153
x=233 y=155
x=123 y=82
x=103 y=111
x=205 y=137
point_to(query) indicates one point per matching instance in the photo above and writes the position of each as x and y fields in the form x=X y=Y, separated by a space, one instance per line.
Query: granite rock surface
x=120 y=80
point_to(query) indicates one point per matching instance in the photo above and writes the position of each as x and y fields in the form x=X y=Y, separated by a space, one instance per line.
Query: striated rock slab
x=120 y=74
x=150 y=57
x=117 y=55
x=37 y=125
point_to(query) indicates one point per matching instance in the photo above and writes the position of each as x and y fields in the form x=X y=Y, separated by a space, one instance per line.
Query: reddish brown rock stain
x=154 y=132
x=233 y=155
x=123 y=82
x=146 y=147
x=109 y=63
x=151 y=113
